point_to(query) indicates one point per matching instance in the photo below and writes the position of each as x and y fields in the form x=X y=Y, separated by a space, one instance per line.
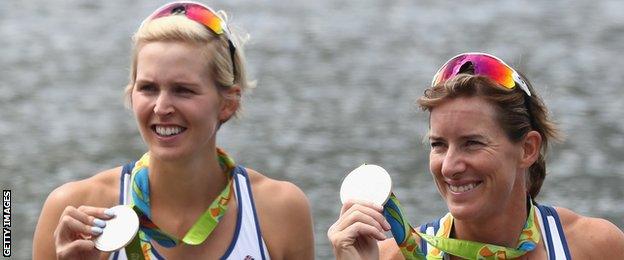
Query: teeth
x=168 y=130
x=462 y=188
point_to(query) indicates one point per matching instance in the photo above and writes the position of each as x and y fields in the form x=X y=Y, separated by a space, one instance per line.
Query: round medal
x=368 y=182
x=119 y=230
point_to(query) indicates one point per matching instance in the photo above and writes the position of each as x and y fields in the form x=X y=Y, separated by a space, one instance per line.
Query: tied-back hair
x=517 y=114
x=215 y=48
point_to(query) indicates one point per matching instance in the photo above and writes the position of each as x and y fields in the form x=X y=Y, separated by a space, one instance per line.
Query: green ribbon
x=133 y=250
x=202 y=228
x=405 y=236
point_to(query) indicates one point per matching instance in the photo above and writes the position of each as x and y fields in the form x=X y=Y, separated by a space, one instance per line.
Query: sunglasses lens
x=205 y=17
x=193 y=11
x=448 y=70
x=168 y=10
x=482 y=64
x=494 y=69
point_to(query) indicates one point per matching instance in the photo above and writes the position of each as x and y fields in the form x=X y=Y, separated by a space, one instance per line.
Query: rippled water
x=337 y=81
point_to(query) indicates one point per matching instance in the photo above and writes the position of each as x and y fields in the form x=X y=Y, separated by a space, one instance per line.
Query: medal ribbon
x=205 y=224
x=405 y=237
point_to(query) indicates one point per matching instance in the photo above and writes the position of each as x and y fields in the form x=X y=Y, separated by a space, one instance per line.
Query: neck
x=502 y=229
x=191 y=183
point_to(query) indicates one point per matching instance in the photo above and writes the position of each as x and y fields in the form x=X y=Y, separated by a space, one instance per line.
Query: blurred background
x=337 y=84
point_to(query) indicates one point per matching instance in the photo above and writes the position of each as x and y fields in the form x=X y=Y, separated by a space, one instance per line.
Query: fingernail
x=96 y=230
x=109 y=212
x=100 y=223
x=387 y=225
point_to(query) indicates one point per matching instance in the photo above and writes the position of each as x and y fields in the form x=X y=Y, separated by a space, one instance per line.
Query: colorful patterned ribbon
x=405 y=237
x=205 y=224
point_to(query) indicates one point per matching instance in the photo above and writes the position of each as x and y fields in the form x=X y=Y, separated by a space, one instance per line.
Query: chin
x=464 y=211
x=167 y=154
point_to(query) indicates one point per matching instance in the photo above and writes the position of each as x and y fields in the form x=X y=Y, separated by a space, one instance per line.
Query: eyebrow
x=474 y=136
x=177 y=82
x=463 y=137
x=429 y=136
x=143 y=81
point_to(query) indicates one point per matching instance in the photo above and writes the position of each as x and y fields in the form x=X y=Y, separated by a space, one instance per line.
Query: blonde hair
x=215 y=48
x=517 y=112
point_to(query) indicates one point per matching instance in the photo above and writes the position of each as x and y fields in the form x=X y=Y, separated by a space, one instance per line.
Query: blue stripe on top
x=423 y=243
x=126 y=170
x=548 y=239
x=550 y=211
x=253 y=206
x=239 y=215
x=239 y=170
x=564 y=242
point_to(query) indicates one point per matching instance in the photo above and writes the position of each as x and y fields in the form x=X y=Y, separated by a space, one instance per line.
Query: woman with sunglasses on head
x=489 y=131
x=193 y=201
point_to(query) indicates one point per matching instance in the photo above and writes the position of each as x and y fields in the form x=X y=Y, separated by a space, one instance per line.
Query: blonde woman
x=187 y=78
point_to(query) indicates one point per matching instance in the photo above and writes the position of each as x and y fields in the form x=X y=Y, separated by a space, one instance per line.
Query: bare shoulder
x=284 y=215
x=589 y=237
x=100 y=190
x=388 y=249
x=275 y=194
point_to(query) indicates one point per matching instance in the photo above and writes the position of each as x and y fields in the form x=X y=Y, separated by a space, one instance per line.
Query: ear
x=531 y=146
x=229 y=103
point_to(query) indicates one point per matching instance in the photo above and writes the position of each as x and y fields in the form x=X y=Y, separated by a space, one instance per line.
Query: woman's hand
x=73 y=236
x=357 y=230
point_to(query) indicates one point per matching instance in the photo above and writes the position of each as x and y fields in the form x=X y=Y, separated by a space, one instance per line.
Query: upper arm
x=43 y=241
x=100 y=190
x=295 y=222
x=285 y=219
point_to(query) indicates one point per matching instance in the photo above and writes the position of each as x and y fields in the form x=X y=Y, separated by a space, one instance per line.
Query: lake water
x=337 y=84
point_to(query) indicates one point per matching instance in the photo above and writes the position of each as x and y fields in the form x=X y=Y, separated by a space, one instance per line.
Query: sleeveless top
x=550 y=228
x=247 y=243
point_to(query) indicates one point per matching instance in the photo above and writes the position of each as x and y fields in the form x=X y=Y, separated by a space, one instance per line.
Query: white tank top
x=247 y=243
x=550 y=226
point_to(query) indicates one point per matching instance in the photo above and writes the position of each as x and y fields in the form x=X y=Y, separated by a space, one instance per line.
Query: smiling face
x=175 y=101
x=477 y=169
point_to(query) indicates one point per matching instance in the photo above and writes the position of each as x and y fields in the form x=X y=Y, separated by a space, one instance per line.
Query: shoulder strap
x=554 y=237
x=127 y=168
x=247 y=197
x=247 y=236
x=423 y=243
x=125 y=171
x=430 y=228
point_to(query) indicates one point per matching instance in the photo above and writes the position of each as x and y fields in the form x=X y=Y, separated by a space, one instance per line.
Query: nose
x=453 y=164
x=164 y=105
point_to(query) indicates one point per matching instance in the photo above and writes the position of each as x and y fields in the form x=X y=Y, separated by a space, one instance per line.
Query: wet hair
x=215 y=48
x=517 y=113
